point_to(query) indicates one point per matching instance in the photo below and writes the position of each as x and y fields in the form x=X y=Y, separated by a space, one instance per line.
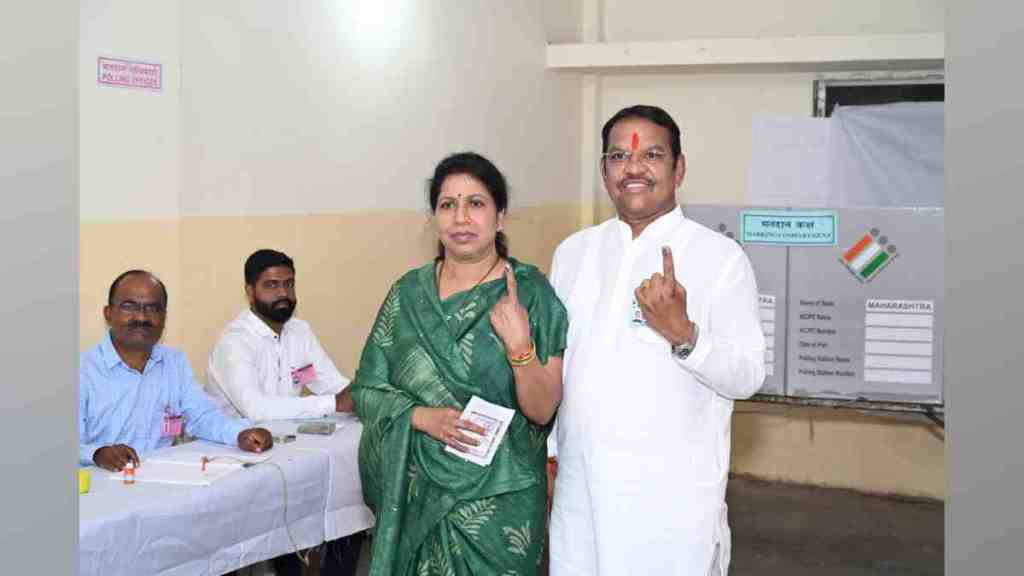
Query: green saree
x=438 y=514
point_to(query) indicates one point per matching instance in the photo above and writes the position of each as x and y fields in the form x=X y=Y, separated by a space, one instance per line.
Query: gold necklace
x=440 y=271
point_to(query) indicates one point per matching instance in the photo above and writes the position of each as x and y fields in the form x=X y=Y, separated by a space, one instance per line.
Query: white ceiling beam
x=805 y=51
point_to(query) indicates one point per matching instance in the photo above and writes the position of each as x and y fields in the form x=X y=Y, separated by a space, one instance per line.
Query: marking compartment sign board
x=788 y=227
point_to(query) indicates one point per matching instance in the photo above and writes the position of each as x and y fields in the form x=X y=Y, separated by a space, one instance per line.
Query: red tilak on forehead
x=636 y=141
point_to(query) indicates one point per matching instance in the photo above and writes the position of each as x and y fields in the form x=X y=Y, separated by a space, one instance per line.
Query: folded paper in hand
x=494 y=419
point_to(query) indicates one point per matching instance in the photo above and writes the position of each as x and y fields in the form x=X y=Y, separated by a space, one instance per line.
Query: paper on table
x=178 y=473
x=223 y=456
x=184 y=464
x=494 y=419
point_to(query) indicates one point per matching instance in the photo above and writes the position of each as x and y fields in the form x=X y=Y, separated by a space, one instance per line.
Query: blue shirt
x=119 y=405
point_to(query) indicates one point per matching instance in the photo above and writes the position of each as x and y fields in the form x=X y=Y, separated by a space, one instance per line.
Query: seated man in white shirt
x=268 y=365
x=265 y=358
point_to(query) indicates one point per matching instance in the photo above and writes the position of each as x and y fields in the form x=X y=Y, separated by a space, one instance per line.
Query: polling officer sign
x=129 y=73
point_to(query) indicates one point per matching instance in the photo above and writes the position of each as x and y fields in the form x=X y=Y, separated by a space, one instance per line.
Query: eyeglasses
x=150 y=309
x=617 y=159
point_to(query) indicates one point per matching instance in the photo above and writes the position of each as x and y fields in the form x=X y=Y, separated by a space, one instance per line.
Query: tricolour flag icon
x=869 y=255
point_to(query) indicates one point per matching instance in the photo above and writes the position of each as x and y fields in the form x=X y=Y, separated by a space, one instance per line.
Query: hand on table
x=115 y=457
x=255 y=440
x=662 y=300
x=510 y=320
x=444 y=425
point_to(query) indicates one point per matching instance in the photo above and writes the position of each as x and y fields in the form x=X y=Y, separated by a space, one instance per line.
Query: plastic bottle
x=129 y=473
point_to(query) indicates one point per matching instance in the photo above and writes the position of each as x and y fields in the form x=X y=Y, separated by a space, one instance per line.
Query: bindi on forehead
x=635 y=143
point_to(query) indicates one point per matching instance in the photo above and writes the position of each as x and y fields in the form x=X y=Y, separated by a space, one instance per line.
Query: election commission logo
x=869 y=255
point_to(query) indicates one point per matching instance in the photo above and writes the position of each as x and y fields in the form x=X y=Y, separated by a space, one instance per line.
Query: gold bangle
x=524 y=358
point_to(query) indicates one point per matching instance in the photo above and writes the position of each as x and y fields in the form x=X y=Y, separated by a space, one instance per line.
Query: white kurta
x=252 y=371
x=643 y=438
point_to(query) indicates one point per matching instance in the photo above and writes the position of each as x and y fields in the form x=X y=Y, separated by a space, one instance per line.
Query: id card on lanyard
x=303 y=376
x=636 y=316
x=172 y=424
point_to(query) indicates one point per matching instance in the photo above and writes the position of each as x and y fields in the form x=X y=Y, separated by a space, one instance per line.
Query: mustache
x=281 y=301
x=141 y=324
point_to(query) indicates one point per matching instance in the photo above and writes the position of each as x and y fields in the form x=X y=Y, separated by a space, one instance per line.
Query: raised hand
x=662 y=300
x=510 y=320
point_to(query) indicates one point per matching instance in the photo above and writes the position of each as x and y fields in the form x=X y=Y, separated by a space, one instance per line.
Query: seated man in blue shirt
x=135 y=395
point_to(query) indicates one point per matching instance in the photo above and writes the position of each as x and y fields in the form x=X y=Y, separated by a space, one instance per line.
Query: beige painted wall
x=107 y=248
x=345 y=264
x=878 y=453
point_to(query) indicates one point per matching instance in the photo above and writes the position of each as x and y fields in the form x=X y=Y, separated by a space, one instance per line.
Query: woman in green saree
x=473 y=322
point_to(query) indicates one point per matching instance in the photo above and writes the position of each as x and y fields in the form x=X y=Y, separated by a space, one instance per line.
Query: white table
x=238 y=520
x=345 y=512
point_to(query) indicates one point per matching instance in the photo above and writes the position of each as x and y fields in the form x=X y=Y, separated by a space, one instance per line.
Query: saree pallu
x=436 y=513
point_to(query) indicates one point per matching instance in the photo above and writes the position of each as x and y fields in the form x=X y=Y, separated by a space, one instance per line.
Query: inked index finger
x=511 y=285
x=668 y=265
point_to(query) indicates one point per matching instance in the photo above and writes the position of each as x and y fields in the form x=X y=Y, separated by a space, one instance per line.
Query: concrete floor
x=794 y=530
x=782 y=529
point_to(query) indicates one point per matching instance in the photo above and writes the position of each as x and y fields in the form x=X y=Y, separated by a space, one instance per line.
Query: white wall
x=714 y=114
x=659 y=20
x=328 y=107
x=715 y=110
x=272 y=107
x=130 y=138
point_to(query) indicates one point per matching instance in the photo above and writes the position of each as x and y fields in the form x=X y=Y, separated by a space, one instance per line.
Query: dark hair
x=482 y=169
x=117 y=281
x=260 y=260
x=652 y=113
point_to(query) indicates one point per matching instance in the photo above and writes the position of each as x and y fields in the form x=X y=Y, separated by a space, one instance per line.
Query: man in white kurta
x=664 y=334
x=265 y=359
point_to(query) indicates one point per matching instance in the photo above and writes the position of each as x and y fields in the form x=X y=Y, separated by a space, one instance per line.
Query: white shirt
x=253 y=372
x=643 y=437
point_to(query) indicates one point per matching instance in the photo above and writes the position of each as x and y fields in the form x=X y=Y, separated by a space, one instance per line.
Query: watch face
x=682 y=351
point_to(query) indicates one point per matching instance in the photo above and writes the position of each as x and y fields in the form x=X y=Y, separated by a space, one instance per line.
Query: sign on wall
x=129 y=73
x=859 y=317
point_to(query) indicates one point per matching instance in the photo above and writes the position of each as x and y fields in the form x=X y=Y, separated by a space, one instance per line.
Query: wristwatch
x=683 y=351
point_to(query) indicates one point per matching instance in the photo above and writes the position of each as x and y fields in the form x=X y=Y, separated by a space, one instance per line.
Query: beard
x=271 y=310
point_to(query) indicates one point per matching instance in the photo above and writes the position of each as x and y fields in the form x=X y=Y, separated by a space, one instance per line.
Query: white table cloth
x=345 y=513
x=238 y=520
